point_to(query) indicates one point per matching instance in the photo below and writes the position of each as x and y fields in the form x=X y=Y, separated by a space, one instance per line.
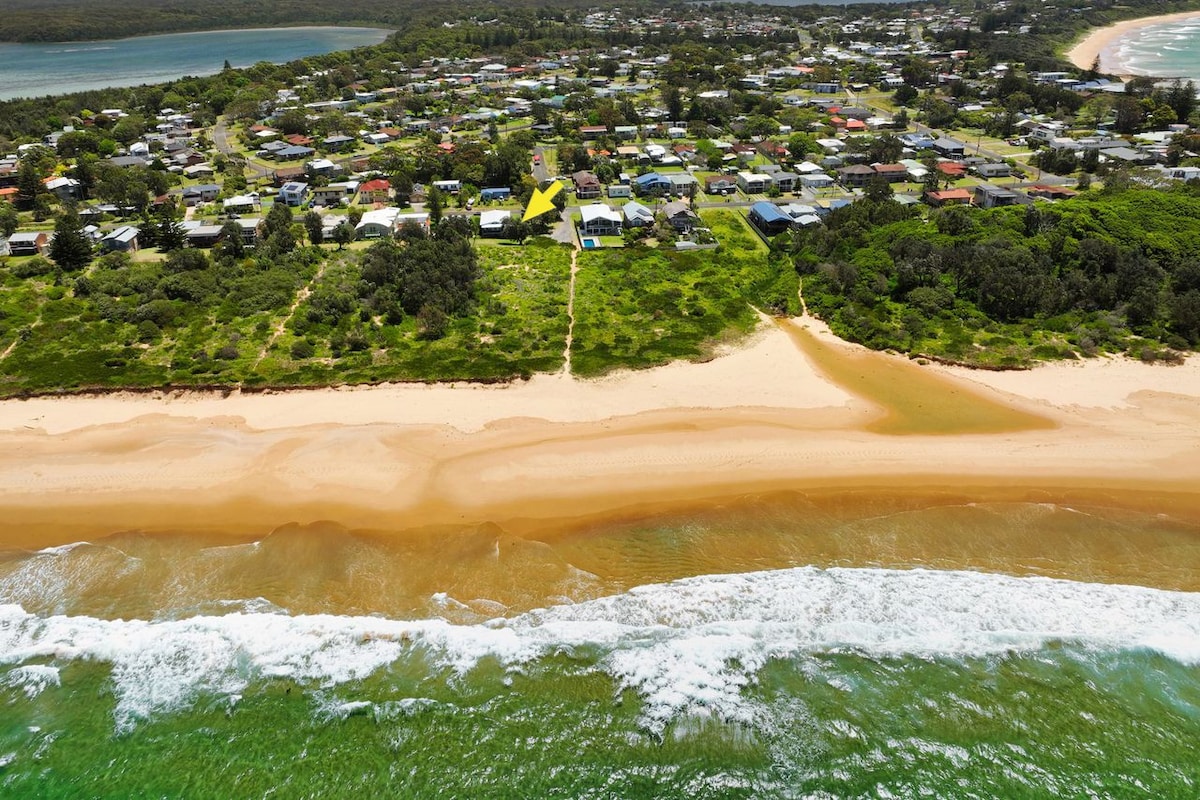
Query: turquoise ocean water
x=1167 y=50
x=132 y=668
x=33 y=70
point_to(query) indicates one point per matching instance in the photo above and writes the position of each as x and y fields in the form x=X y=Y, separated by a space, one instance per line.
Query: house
x=801 y=215
x=286 y=174
x=337 y=142
x=495 y=193
x=652 y=184
x=620 y=190
x=377 y=224
x=784 y=181
x=587 y=185
x=599 y=220
x=948 y=197
x=201 y=193
x=683 y=184
x=769 y=218
x=993 y=170
x=892 y=173
x=680 y=216
x=203 y=235
x=949 y=148
x=241 y=204
x=753 y=182
x=855 y=176
x=293 y=193
x=719 y=184
x=636 y=215
x=28 y=243
x=333 y=194
x=491 y=223
x=249 y=226
x=321 y=166
x=448 y=187
x=816 y=180
x=1179 y=173
x=1124 y=155
x=374 y=191
x=292 y=153
x=952 y=170
x=590 y=132
x=64 y=188
x=1058 y=192
x=988 y=196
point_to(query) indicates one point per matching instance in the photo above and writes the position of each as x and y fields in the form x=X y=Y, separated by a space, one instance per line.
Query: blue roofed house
x=123 y=239
x=497 y=193
x=769 y=218
x=652 y=184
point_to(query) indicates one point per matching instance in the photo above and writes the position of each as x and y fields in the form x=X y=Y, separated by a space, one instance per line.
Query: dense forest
x=1110 y=271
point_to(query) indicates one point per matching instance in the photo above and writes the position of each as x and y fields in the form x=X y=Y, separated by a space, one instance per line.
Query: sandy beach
x=1095 y=43
x=765 y=416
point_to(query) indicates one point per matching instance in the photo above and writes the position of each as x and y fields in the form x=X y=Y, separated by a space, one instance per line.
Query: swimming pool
x=589 y=242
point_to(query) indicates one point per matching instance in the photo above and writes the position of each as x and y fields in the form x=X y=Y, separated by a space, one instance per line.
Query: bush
x=33 y=268
x=302 y=348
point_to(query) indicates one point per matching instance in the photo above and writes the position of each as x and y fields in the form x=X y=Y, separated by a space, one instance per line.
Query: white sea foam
x=33 y=679
x=685 y=647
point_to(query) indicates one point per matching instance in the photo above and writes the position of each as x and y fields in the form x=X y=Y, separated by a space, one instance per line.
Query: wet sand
x=794 y=411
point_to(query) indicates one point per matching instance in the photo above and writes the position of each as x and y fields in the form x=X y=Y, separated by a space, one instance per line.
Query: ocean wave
x=687 y=647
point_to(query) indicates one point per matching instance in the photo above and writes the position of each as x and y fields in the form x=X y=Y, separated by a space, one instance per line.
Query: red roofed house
x=893 y=172
x=376 y=191
x=949 y=197
x=952 y=169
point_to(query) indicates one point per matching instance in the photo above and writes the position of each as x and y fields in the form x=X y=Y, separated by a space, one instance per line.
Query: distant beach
x=1101 y=41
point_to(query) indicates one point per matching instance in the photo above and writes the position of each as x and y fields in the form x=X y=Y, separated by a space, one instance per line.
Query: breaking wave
x=690 y=646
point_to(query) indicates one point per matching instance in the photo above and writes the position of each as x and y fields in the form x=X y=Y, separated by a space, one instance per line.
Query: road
x=222 y=143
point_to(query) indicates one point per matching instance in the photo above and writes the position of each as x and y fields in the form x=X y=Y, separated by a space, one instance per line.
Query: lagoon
x=33 y=70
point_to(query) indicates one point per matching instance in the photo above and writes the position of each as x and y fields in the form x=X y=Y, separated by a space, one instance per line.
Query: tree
x=434 y=204
x=315 y=227
x=29 y=182
x=516 y=230
x=878 y=189
x=8 y=219
x=231 y=244
x=904 y=95
x=343 y=234
x=71 y=249
x=170 y=234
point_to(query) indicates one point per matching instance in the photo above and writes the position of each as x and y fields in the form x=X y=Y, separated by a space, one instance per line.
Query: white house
x=597 y=219
x=753 y=182
x=377 y=224
x=491 y=223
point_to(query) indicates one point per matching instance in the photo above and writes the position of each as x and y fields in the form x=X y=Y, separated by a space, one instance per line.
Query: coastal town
x=687 y=147
x=684 y=401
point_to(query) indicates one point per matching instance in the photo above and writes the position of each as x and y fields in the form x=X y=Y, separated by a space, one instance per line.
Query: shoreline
x=240 y=28
x=761 y=418
x=1095 y=42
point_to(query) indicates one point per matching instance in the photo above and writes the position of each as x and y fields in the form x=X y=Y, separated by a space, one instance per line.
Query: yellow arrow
x=542 y=201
